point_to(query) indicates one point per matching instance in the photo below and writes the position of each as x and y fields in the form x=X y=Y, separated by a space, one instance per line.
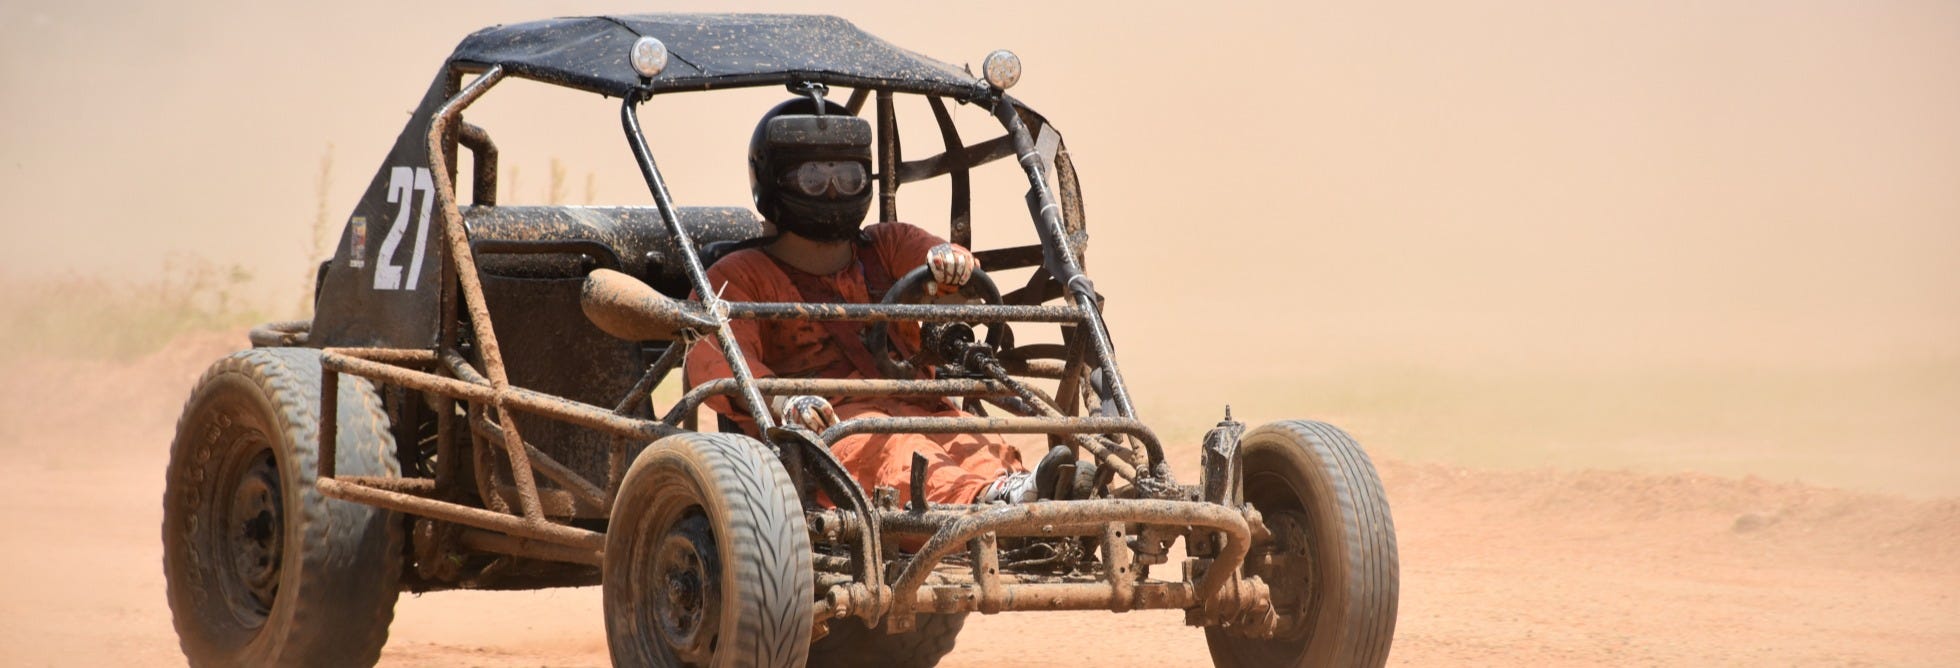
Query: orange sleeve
x=738 y=282
x=902 y=246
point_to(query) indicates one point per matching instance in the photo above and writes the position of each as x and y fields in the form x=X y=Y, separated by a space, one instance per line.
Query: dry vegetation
x=93 y=318
x=85 y=317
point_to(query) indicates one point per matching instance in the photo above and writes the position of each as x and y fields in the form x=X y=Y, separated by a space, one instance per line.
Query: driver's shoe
x=1029 y=486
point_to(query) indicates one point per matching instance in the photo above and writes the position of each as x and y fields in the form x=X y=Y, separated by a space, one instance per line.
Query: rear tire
x=1331 y=565
x=850 y=643
x=708 y=559
x=260 y=569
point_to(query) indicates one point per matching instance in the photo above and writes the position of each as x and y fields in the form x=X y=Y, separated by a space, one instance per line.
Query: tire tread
x=776 y=603
x=338 y=615
x=1369 y=554
x=850 y=643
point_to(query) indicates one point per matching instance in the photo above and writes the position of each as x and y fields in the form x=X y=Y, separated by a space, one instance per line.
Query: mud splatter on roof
x=710 y=51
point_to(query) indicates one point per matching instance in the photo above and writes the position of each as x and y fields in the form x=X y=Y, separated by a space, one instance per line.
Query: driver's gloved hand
x=806 y=411
x=951 y=266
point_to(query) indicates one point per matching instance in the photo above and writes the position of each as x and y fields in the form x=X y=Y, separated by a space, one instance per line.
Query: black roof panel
x=710 y=51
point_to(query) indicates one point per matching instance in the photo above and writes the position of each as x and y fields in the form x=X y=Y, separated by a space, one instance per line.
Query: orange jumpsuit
x=958 y=465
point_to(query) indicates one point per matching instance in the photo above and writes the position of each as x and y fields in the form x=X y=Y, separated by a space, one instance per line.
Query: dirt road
x=1499 y=568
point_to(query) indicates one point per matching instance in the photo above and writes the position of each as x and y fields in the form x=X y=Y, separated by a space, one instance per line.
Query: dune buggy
x=486 y=375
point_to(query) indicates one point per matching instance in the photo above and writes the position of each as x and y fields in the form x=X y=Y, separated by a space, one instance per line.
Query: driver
x=811 y=176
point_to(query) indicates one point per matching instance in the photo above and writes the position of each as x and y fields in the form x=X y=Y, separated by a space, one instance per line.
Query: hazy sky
x=1615 y=173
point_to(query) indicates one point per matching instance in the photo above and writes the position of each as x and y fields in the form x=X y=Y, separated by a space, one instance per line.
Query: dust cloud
x=1712 y=243
x=1285 y=200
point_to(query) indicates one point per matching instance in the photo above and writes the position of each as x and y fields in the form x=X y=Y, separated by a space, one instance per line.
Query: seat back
x=533 y=261
x=567 y=241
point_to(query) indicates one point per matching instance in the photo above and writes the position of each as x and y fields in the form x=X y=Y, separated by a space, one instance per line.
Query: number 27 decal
x=403 y=183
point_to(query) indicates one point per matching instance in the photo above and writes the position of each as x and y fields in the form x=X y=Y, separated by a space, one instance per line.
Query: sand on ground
x=1499 y=567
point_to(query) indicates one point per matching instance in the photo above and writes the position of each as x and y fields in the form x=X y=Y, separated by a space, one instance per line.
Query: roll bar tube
x=1047 y=215
x=1048 y=219
x=630 y=119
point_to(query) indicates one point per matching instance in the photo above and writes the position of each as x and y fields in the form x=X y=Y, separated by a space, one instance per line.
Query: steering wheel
x=911 y=289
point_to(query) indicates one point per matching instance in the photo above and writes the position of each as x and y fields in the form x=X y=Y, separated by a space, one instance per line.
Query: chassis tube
x=833 y=387
x=903 y=312
x=1050 y=219
x=642 y=391
x=1033 y=518
x=475 y=517
x=1045 y=406
x=469 y=281
x=1028 y=597
x=516 y=398
x=489 y=541
x=993 y=425
x=630 y=118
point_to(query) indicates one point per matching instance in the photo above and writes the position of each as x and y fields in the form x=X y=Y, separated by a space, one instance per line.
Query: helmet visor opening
x=827 y=179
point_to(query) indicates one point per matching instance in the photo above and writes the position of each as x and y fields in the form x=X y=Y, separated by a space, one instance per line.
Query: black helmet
x=810 y=172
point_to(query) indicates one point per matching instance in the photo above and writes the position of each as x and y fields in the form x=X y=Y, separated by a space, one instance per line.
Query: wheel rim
x=686 y=567
x=251 y=530
x=679 y=568
x=259 y=568
x=1286 y=562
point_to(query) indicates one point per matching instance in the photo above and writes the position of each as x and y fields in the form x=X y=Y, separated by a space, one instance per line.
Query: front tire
x=708 y=559
x=260 y=569
x=1331 y=564
x=851 y=643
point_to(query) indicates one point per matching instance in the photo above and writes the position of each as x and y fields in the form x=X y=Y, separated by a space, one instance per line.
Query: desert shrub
x=89 y=317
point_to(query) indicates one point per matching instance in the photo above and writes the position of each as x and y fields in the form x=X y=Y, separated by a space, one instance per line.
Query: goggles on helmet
x=827 y=179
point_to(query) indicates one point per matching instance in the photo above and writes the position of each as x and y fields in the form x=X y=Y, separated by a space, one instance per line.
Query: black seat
x=533 y=262
x=567 y=242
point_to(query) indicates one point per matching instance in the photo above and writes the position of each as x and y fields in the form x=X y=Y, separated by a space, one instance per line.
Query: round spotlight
x=1003 y=69
x=649 y=57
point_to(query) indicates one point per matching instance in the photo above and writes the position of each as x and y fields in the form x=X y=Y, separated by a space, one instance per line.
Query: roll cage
x=442 y=343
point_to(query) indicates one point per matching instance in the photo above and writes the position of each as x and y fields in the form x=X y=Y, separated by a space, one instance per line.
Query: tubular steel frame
x=1212 y=590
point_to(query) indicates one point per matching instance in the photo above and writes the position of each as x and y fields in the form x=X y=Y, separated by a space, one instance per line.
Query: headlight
x=1002 y=68
x=650 y=57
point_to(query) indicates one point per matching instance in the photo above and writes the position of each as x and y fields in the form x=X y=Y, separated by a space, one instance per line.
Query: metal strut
x=630 y=119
